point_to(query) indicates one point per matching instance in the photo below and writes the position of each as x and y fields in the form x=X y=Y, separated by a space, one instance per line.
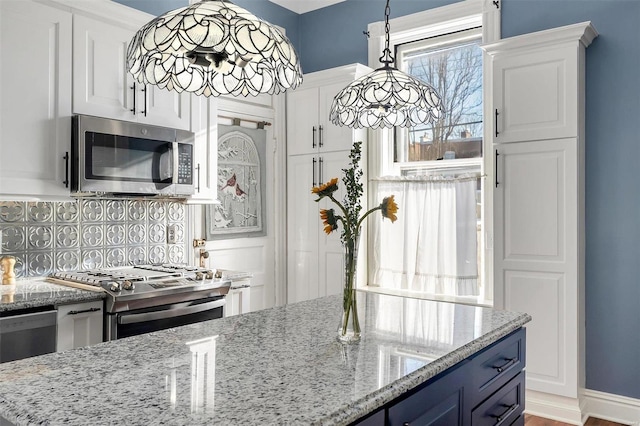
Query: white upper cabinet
x=308 y=127
x=103 y=87
x=536 y=92
x=204 y=124
x=35 y=99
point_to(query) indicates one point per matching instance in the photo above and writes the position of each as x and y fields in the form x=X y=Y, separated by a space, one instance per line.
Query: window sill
x=465 y=300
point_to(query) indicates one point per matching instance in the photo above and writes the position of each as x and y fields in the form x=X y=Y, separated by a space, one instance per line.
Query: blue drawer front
x=497 y=365
x=502 y=408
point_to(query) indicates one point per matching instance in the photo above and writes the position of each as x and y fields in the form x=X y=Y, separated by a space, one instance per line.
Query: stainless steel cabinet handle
x=133 y=110
x=313 y=137
x=321 y=180
x=320 y=136
x=313 y=172
x=170 y=313
x=84 y=311
x=66 y=169
x=495 y=123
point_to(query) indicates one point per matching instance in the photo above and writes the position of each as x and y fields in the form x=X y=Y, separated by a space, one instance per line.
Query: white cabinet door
x=315 y=260
x=79 y=325
x=103 y=87
x=536 y=95
x=35 y=98
x=330 y=251
x=308 y=127
x=238 y=301
x=302 y=121
x=303 y=223
x=330 y=136
x=162 y=107
x=204 y=124
x=536 y=255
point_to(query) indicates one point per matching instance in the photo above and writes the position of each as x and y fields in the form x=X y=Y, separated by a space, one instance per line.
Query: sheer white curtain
x=432 y=247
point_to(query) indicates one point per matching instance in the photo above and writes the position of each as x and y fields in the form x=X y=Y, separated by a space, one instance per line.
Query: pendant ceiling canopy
x=386 y=97
x=214 y=48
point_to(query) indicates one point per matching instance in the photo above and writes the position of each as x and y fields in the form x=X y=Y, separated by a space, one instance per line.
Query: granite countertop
x=239 y=279
x=31 y=293
x=277 y=366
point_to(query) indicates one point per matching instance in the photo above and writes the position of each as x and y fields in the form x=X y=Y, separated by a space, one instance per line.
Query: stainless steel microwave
x=124 y=158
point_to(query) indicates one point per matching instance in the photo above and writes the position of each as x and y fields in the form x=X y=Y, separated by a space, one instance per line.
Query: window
x=436 y=248
x=452 y=64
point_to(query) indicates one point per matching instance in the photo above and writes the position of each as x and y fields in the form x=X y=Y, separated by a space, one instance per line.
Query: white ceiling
x=304 y=6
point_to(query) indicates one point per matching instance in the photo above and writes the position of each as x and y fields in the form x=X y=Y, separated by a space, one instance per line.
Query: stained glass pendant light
x=386 y=97
x=214 y=48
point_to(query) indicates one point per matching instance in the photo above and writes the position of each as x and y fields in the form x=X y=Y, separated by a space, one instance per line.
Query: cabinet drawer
x=375 y=419
x=519 y=421
x=503 y=407
x=497 y=365
x=440 y=403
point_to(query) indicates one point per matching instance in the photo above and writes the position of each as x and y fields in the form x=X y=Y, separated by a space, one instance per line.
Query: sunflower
x=325 y=189
x=388 y=207
x=329 y=220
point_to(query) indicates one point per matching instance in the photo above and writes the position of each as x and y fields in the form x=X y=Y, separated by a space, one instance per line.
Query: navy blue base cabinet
x=486 y=389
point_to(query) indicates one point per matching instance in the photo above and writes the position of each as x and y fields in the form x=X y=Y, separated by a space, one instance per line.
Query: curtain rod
x=425 y=178
x=236 y=121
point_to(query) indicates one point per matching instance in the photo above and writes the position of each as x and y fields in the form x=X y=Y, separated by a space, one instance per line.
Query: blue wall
x=612 y=186
x=333 y=36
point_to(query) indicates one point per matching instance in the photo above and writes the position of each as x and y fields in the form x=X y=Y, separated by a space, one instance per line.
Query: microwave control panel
x=185 y=166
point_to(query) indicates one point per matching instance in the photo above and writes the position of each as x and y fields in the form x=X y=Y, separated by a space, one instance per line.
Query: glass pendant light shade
x=386 y=97
x=214 y=48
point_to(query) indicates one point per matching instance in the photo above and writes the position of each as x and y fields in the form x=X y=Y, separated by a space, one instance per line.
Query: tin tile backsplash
x=90 y=233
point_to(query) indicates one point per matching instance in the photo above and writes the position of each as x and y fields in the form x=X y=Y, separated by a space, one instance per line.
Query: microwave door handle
x=175 y=155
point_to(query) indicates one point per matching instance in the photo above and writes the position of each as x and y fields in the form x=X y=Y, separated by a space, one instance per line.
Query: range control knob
x=209 y=274
x=114 y=286
x=199 y=276
x=128 y=285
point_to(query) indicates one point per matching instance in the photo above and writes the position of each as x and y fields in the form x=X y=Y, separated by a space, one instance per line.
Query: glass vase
x=349 y=328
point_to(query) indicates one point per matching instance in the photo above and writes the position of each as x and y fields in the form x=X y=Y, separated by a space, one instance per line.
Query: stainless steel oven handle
x=170 y=313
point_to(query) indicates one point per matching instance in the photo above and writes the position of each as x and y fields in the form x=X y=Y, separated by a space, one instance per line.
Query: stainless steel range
x=146 y=298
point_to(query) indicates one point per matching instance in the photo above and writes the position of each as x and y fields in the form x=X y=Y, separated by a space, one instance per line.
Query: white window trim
x=432 y=22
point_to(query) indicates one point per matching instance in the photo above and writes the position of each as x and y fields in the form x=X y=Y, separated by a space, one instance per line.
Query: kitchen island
x=278 y=366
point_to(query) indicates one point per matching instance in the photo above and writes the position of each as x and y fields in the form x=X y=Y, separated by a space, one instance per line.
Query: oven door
x=140 y=321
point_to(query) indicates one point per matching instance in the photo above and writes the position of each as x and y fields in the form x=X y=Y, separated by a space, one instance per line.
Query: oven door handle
x=170 y=313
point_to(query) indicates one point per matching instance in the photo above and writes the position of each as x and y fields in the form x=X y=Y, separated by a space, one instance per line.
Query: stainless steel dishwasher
x=27 y=333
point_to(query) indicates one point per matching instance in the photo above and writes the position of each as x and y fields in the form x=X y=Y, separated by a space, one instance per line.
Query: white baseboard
x=576 y=411
x=615 y=408
x=554 y=407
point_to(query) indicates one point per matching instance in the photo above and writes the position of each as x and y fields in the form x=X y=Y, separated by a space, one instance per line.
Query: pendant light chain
x=386 y=97
x=386 y=57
